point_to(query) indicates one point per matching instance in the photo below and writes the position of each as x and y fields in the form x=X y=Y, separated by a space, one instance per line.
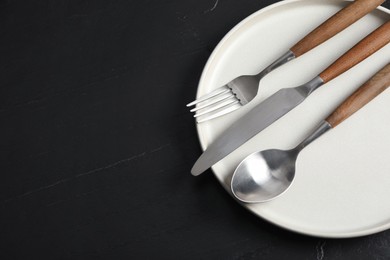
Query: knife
x=277 y=105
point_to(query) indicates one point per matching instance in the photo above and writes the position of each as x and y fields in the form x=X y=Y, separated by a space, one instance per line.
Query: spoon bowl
x=264 y=175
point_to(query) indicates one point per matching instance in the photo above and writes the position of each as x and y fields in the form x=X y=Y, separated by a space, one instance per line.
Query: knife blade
x=280 y=103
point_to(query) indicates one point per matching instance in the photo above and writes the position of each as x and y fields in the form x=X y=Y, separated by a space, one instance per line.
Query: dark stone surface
x=97 y=144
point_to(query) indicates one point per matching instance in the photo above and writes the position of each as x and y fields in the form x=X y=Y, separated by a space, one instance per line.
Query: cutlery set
x=265 y=175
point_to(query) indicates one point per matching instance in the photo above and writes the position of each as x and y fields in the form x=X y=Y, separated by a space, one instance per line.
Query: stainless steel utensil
x=265 y=175
x=243 y=89
x=274 y=107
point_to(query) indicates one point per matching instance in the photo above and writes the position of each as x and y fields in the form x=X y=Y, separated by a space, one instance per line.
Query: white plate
x=342 y=185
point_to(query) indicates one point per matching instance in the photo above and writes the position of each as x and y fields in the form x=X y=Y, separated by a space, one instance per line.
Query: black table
x=97 y=143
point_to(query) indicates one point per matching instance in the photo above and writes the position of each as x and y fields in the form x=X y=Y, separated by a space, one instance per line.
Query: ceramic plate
x=342 y=184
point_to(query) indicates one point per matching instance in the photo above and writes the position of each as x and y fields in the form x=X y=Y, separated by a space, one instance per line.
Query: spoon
x=265 y=175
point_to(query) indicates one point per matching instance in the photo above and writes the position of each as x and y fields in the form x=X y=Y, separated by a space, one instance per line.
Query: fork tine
x=217 y=106
x=220 y=90
x=222 y=111
x=212 y=101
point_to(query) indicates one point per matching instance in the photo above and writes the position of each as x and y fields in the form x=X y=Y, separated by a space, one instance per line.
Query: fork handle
x=335 y=24
x=367 y=92
x=370 y=44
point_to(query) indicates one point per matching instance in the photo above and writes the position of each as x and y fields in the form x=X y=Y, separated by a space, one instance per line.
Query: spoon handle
x=367 y=92
x=363 y=49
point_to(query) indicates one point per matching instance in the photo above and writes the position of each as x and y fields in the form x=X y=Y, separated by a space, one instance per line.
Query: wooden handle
x=373 y=42
x=367 y=92
x=335 y=24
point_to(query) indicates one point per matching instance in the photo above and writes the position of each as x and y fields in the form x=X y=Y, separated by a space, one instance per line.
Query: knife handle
x=335 y=24
x=367 y=92
x=370 y=44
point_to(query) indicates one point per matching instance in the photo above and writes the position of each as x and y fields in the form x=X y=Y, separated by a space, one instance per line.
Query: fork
x=241 y=90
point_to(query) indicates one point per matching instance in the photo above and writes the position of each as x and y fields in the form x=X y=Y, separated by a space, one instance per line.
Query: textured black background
x=97 y=144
